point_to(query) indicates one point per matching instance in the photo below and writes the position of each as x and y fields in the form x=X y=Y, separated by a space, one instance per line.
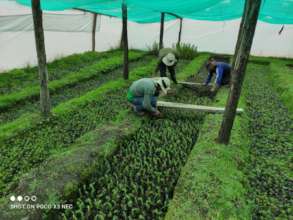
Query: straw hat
x=169 y=59
x=164 y=83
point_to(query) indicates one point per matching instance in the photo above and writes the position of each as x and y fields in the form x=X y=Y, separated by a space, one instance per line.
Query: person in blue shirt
x=222 y=71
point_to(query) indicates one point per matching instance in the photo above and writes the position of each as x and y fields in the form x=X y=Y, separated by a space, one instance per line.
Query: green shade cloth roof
x=272 y=11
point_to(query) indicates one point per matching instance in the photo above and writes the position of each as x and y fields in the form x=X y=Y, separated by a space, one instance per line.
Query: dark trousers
x=227 y=78
x=163 y=71
x=138 y=103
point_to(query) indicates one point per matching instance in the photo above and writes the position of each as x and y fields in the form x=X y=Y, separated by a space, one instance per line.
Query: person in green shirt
x=168 y=59
x=144 y=92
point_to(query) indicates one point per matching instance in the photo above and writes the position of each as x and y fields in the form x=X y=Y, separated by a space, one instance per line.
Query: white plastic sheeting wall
x=17 y=49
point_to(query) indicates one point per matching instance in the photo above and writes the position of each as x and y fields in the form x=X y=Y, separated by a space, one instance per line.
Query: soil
x=63 y=172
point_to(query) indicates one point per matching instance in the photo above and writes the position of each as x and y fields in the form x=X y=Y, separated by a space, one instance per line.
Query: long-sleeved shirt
x=145 y=88
x=222 y=70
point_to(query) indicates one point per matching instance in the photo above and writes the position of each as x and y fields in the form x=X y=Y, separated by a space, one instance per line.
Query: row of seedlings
x=17 y=79
x=68 y=92
x=36 y=140
x=32 y=92
x=138 y=180
x=270 y=130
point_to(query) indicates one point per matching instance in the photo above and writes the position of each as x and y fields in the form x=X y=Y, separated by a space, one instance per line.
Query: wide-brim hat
x=169 y=59
x=164 y=83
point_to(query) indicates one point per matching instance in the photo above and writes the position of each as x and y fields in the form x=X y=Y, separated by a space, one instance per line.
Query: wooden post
x=161 y=44
x=41 y=53
x=125 y=40
x=94 y=32
x=240 y=32
x=121 y=40
x=180 y=31
x=241 y=58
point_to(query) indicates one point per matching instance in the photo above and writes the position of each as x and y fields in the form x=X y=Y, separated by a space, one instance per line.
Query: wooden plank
x=192 y=84
x=198 y=108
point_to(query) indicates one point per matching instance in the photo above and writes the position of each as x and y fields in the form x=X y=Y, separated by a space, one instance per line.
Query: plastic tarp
x=272 y=11
x=52 y=22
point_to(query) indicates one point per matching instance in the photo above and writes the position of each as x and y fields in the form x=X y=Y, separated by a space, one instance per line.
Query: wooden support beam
x=125 y=40
x=197 y=108
x=172 y=14
x=161 y=44
x=89 y=11
x=94 y=32
x=192 y=84
x=41 y=53
x=180 y=31
x=250 y=16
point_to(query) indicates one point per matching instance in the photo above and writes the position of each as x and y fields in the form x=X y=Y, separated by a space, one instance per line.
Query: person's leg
x=154 y=101
x=172 y=73
x=138 y=104
x=226 y=79
x=163 y=69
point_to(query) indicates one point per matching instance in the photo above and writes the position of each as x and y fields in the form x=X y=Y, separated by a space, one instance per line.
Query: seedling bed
x=64 y=94
x=138 y=180
x=270 y=130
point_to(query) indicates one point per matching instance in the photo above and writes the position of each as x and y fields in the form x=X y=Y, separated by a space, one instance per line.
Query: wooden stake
x=180 y=31
x=94 y=32
x=41 y=53
x=241 y=58
x=125 y=40
x=161 y=44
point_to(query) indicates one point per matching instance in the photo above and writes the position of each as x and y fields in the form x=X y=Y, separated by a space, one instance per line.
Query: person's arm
x=147 y=103
x=173 y=74
x=218 y=80
x=219 y=76
x=209 y=78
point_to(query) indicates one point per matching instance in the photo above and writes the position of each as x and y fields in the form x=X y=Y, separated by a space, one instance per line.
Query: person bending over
x=222 y=71
x=168 y=59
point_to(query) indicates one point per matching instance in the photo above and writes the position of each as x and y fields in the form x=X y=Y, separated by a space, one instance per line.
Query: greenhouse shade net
x=51 y=22
x=272 y=11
